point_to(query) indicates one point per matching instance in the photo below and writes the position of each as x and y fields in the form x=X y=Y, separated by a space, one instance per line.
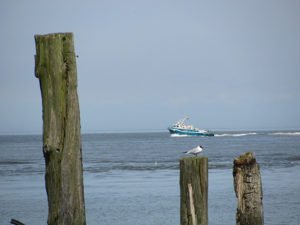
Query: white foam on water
x=179 y=135
x=286 y=133
x=235 y=135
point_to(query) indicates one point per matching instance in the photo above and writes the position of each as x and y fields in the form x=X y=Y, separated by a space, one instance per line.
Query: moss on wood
x=246 y=158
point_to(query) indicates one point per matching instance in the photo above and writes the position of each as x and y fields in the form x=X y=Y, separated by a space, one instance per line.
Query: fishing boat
x=181 y=128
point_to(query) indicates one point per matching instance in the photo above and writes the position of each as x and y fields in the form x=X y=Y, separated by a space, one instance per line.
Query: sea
x=133 y=178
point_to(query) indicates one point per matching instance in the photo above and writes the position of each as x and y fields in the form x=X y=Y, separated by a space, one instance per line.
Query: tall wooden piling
x=194 y=191
x=248 y=189
x=55 y=67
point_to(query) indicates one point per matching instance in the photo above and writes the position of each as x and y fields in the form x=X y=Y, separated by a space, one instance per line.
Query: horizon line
x=3 y=133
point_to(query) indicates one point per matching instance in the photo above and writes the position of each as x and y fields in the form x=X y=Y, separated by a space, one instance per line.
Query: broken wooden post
x=248 y=189
x=194 y=191
x=55 y=67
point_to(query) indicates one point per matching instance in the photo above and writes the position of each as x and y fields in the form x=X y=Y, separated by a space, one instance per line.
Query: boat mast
x=183 y=120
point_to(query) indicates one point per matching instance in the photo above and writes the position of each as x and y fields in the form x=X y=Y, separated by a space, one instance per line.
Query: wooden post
x=248 y=189
x=194 y=191
x=55 y=67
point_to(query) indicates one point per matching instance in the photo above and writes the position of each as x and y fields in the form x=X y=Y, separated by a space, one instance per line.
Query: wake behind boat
x=181 y=128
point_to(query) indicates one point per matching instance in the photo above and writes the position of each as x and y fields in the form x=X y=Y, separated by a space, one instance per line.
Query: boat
x=181 y=128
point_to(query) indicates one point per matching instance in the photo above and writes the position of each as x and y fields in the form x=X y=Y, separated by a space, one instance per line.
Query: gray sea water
x=133 y=178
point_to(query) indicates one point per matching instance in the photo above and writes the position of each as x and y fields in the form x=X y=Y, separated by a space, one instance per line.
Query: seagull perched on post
x=195 y=151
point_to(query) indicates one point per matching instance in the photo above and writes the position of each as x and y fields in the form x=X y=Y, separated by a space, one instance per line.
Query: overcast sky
x=144 y=64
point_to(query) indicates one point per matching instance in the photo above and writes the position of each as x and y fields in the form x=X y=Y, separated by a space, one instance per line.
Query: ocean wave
x=173 y=166
x=235 y=135
x=14 y=162
x=295 y=158
x=286 y=133
x=133 y=167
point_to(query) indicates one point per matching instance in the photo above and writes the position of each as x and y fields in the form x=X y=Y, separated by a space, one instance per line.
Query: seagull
x=195 y=151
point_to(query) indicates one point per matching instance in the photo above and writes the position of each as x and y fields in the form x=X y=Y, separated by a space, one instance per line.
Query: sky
x=143 y=64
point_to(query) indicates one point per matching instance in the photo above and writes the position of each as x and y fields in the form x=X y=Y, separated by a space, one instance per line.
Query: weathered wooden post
x=55 y=67
x=248 y=189
x=194 y=191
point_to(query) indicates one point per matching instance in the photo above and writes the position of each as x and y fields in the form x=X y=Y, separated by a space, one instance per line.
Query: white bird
x=195 y=151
